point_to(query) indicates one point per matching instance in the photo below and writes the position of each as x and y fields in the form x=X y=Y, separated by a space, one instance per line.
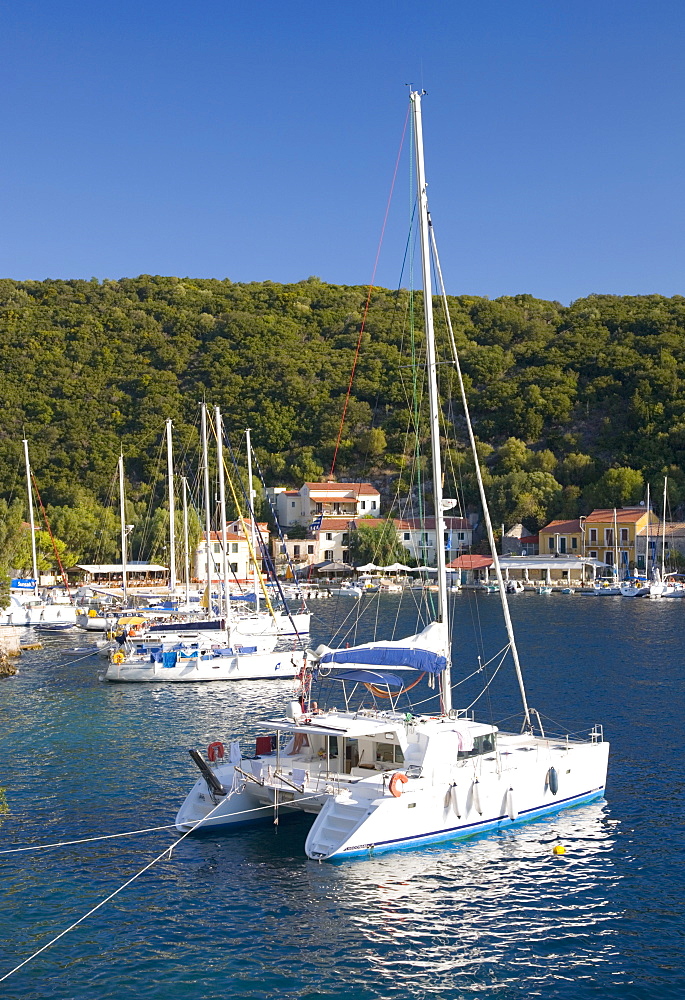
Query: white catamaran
x=380 y=780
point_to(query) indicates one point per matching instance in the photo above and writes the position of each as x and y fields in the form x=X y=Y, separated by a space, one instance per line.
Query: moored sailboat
x=381 y=779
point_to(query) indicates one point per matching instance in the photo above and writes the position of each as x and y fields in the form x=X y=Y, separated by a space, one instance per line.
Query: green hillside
x=575 y=406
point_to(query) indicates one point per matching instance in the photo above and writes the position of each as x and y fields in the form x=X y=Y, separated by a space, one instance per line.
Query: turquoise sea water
x=245 y=916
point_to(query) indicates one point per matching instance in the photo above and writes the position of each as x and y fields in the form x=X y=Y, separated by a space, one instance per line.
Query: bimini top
x=424 y=651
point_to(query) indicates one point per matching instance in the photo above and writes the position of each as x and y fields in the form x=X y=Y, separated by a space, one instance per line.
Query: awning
x=390 y=656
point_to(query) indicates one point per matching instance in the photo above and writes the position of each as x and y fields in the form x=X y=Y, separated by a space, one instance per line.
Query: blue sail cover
x=369 y=677
x=390 y=656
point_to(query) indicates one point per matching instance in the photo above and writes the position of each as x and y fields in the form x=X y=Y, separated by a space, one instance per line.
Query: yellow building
x=608 y=535
x=561 y=538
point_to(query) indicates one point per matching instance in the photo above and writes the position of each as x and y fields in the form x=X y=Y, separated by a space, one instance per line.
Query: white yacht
x=379 y=779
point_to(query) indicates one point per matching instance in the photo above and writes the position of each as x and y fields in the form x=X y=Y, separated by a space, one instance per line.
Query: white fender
x=454 y=798
x=511 y=805
x=475 y=795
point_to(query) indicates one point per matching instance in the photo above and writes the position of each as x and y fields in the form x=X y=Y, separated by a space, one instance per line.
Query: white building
x=418 y=537
x=237 y=557
x=341 y=500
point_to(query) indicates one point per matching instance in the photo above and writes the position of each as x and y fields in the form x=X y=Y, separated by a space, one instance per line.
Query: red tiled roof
x=556 y=526
x=470 y=562
x=529 y=539
x=373 y=522
x=345 y=489
x=625 y=515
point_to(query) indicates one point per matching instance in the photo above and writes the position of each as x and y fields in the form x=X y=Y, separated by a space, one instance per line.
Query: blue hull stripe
x=478 y=827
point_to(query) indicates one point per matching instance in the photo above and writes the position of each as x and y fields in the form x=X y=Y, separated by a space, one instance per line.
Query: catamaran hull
x=357 y=822
x=352 y=826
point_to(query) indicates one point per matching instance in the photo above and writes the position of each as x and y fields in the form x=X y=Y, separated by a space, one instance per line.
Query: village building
x=324 y=500
x=237 y=556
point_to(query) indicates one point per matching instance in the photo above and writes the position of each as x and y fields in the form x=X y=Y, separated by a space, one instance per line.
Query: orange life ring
x=215 y=751
x=398 y=778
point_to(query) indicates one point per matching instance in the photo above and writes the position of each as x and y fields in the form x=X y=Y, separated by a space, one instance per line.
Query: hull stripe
x=473 y=827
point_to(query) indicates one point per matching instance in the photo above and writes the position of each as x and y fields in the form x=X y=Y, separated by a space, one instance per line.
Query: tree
x=377 y=543
x=11 y=521
x=616 y=488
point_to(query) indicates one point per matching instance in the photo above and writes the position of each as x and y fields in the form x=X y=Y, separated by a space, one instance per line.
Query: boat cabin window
x=481 y=745
x=388 y=753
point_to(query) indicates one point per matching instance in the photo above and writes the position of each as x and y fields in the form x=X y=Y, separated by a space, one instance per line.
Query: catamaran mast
x=424 y=224
x=479 y=477
x=253 y=528
x=208 y=512
x=122 y=516
x=172 y=510
x=222 y=507
x=186 y=553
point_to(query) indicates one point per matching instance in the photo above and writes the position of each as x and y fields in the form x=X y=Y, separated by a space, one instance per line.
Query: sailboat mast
x=172 y=510
x=186 y=552
x=663 y=535
x=647 y=539
x=253 y=530
x=208 y=512
x=445 y=677
x=29 y=489
x=222 y=506
x=615 y=545
x=122 y=517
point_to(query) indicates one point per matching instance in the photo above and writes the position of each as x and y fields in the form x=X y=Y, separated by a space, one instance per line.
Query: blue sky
x=257 y=141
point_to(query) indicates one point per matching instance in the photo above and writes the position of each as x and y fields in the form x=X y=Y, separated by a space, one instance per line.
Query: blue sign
x=20 y=584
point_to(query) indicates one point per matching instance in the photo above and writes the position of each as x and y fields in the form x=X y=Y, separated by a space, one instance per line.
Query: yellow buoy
x=558 y=849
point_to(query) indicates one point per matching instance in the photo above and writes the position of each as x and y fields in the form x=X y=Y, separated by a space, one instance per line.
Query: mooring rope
x=166 y=853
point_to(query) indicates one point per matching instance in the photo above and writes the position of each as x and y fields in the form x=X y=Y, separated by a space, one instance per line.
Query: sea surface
x=246 y=916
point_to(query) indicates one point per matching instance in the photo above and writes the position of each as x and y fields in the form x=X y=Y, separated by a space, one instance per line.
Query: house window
x=424 y=538
x=574 y=543
x=593 y=555
x=460 y=536
x=345 y=538
x=234 y=546
x=296 y=551
x=551 y=545
x=329 y=536
x=624 y=534
x=593 y=534
x=310 y=550
x=562 y=545
x=292 y=503
x=373 y=505
x=234 y=567
x=363 y=504
x=407 y=536
x=217 y=547
x=609 y=558
x=564 y=574
x=609 y=536
x=328 y=555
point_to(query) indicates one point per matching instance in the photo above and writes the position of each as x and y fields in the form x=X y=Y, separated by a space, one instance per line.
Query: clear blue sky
x=257 y=141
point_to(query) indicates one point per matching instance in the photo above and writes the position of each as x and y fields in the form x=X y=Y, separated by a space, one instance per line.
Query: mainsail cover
x=425 y=651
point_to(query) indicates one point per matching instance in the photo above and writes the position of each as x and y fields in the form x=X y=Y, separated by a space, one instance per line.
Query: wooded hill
x=574 y=406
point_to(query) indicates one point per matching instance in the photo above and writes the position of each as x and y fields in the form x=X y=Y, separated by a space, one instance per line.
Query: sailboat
x=380 y=779
x=191 y=651
x=27 y=606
